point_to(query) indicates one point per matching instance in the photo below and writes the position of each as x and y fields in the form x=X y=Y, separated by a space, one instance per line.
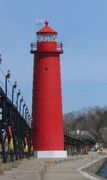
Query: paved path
x=68 y=170
x=26 y=170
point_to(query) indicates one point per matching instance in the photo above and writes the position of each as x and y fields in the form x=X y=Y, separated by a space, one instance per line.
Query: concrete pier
x=54 y=169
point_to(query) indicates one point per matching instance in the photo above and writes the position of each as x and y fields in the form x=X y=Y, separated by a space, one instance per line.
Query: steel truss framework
x=15 y=133
x=78 y=142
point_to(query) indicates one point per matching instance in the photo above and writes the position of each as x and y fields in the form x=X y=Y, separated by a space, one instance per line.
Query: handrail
x=72 y=134
x=33 y=45
x=9 y=90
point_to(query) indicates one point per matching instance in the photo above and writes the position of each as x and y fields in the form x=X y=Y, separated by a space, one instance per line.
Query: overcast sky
x=81 y=26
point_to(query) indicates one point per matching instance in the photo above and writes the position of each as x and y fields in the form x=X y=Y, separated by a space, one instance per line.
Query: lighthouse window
x=46 y=37
x=46 y=68
x=53 y=37
x=39 y=38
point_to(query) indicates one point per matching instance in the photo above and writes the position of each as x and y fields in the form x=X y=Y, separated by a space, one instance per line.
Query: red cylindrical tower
x=47 y=126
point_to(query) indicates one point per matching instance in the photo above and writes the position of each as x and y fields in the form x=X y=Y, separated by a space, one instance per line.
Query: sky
x=81 y=26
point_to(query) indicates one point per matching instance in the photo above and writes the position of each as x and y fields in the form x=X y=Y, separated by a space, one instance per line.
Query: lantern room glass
x=46 y=37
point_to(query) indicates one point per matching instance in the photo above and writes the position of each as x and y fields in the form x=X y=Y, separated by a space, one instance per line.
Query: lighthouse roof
x=46 y=29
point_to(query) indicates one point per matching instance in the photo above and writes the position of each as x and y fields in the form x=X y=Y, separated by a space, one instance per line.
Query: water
x=103 y=171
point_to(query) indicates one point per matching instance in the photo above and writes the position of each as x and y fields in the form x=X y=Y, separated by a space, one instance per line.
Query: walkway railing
x=14 y=96
x=15 y=121
x=59 y=47
x=81 y=135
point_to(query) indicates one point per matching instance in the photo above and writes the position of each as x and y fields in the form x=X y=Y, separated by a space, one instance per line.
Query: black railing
x=81 y=135
x=13 y=131
x=59 y=47
x=10 y=91
x=14 y=122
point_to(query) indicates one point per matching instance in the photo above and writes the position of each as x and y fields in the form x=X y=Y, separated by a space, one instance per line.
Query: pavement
x=23 y=170
x=69 y=170
x=49 y=169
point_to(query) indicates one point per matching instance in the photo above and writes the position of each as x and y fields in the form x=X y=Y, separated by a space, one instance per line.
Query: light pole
x=26 y=112
x=21 y=100
x=7 y=76
x=13 y=88
x=24 y=108
x=1 y=133
x=0 y=58
x=18 y=94
x=29 y=118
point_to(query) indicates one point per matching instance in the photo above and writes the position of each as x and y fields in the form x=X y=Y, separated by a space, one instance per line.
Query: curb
x=89 y=170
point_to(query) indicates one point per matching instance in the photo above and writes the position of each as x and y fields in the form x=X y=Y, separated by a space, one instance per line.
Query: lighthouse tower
x=47 y=126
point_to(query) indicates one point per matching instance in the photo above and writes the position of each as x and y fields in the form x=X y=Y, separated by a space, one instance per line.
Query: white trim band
x=50 y=154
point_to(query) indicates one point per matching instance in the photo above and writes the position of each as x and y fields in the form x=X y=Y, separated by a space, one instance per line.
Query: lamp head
x=19 y=92
x=0 y=58
x=24 y=104
x=21 y=99
x=15 y=84
x=8 y=74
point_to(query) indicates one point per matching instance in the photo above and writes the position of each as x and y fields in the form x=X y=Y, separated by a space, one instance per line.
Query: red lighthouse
x=47 y=127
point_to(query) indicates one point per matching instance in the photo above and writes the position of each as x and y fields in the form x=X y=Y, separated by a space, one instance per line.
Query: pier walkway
x=69 y=170
x=50 y=169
